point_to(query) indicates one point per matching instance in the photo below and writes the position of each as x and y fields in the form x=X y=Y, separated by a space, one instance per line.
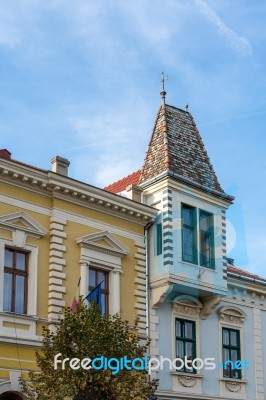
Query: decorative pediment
x=232 y=315
x=22 y=222
x=186 y=305
x=103 y=242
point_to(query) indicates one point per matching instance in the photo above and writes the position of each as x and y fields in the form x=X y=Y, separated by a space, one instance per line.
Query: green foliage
x=88 y=334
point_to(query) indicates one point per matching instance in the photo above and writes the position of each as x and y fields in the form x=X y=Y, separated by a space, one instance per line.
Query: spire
x=163 y=92
x=176 y=149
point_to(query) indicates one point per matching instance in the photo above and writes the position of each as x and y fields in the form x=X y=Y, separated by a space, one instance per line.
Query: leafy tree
x=87 y=334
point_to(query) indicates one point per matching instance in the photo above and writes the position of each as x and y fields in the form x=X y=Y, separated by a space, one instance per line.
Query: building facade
x=200 y=305
x=59 y=238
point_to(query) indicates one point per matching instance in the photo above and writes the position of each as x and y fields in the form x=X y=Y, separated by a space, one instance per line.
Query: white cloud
x=239 y=43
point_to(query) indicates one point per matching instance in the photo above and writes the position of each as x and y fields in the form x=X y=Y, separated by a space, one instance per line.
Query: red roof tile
x=122 y=184
x=242 y=272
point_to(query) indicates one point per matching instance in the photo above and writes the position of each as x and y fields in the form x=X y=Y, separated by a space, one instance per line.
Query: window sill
x=189 y=374
x=233 y=380
x=187 y=382
x=198 y=266
x=19 y=316
x=233 y=387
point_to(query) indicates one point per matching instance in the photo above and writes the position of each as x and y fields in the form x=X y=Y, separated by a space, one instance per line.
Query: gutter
x=247 y=278
x=189 y=182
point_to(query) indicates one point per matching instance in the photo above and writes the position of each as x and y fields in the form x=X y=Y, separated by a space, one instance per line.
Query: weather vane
x=163 y=92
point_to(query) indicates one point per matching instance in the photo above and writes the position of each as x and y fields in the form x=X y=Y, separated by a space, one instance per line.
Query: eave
x=53 y=185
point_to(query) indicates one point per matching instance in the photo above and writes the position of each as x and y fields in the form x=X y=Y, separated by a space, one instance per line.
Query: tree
x=86 y=334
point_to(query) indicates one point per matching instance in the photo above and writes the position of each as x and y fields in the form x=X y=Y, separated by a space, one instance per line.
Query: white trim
x=139 y=239
x=8 y=334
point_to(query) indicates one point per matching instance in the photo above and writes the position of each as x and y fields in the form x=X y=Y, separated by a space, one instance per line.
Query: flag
x=75 y=300
x=96 y=295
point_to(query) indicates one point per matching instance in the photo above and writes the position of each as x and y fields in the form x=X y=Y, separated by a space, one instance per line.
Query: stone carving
x=186 y=305
x=209 y=305
x=233 y=386
x=232 y=315
x=187 y=381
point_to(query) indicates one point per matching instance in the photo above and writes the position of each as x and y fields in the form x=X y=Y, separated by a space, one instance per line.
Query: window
x=96 y=276
x=231 y=353
x=189 y=234
x=15 y=281
x=206 y=240
x=185 y=342
x=197 y=242
x=159 y=239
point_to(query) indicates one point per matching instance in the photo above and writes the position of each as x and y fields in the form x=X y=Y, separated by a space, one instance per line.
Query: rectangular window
x=186 y=343
x=189 y=234
x=231 y=353
x=15 y=281
x=159 y=239
x=206 y=239
x=96 y=276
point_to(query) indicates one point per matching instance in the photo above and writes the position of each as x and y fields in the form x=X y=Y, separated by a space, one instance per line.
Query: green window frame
x=206 y=237
x=231 y=353
x=189 y=234
x=185 y=333
x=159 y=239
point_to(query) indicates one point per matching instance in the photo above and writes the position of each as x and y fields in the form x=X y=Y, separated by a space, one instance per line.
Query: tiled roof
x=122 y=184
x=244 y=273
x=176 y=146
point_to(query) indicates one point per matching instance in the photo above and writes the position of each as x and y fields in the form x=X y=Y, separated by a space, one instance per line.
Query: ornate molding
x=187 y=306
x=232 y=315
x=233 y=386
x=187 y=381
x=22 y=222
x=103 y=242
x=209 y=306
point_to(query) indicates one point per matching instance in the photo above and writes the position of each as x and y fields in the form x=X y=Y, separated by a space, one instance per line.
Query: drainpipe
x=146 y=229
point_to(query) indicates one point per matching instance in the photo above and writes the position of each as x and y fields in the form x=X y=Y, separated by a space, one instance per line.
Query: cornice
x=68 y=189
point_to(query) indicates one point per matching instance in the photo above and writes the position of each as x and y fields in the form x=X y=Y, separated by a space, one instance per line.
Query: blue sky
x=81 y=79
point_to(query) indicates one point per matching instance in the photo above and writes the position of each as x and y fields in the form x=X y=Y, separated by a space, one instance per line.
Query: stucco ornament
x=233 y=386
x=187 y=381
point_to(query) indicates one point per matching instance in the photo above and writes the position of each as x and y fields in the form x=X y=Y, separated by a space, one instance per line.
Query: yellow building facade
x=58 y=237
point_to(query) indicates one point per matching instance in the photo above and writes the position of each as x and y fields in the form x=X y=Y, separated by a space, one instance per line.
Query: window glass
x=233 y=338
x=92 y=277
x=231 y=352
x=178 y=328
x=188 y=330
x=20 y=294
x=21 y=261
x=7 y=292
x=185 y=342
x=8 y=258
x=225 y=336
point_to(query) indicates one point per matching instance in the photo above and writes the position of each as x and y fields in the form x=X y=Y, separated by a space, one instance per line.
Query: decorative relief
x=187 y=306
x=253 y=296
x=233 y=386
x=209 y=306
x=187 y=381
x=232 y=315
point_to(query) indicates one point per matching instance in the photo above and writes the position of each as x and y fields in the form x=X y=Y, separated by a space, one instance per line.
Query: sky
x=81 y=79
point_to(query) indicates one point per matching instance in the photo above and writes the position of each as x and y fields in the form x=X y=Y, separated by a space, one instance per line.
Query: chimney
x=4 y=153
x=60 y=165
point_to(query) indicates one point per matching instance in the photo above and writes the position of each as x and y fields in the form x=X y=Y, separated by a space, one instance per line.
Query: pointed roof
x=177 y=148
x=122 y=184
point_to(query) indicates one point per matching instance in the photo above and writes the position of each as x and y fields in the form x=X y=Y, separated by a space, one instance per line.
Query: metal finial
x=163 y=92
x=186 y=107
